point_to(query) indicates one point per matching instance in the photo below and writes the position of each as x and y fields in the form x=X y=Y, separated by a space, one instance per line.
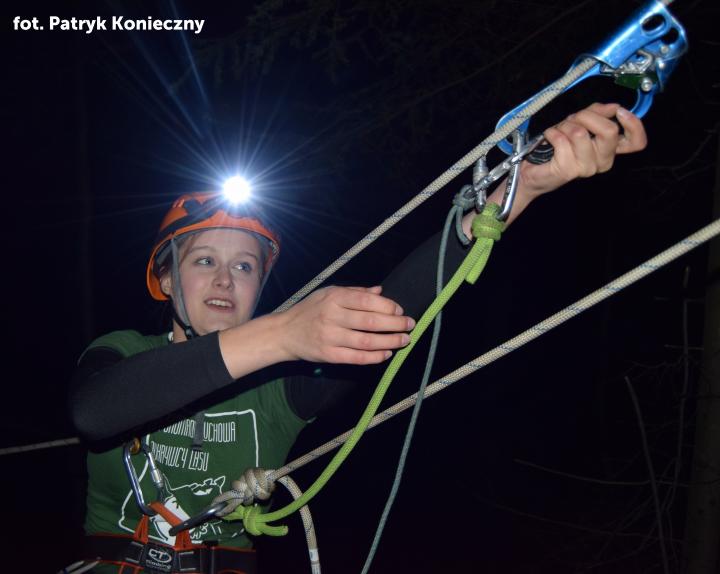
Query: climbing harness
x=137 y=553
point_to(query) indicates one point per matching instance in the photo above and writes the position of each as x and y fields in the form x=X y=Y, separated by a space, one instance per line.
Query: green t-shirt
x=256 y=428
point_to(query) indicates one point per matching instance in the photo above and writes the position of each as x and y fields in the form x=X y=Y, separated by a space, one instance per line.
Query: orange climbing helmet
x=199 y=211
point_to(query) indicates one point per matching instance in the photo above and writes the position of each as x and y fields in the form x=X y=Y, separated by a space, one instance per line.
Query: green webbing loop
x=486 y=229
x=250 y=515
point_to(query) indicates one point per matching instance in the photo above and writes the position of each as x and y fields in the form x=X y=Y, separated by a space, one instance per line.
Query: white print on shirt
x=161 y=528
x=212 y=432
x=221 y=426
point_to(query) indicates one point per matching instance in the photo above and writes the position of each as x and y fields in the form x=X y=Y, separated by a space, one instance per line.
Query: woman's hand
x=585 y=143
x=350 y=325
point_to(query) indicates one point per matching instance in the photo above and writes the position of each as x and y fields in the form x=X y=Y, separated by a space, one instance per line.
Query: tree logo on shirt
x=210 y=487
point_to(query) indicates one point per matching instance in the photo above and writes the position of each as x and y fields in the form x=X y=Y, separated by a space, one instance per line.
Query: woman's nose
x=223 y=277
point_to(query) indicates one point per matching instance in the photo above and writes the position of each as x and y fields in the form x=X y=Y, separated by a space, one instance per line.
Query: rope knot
x=486 y=225
x=253 y=484
x=465 y=198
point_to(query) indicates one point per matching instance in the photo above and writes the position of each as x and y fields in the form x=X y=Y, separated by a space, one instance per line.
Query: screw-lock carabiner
x=134 y=447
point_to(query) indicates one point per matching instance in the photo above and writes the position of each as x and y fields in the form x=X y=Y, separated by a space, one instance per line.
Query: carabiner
x=483 y=179
x=201 y=517
x=134 y=447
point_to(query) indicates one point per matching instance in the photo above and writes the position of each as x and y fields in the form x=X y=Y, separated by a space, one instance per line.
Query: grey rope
x=455 y=211
x=541 y=100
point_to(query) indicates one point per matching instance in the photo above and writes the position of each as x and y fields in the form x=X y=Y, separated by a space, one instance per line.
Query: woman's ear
x=166 y=284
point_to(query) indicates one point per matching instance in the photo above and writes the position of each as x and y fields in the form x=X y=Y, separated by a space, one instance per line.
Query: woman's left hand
x=585 y=143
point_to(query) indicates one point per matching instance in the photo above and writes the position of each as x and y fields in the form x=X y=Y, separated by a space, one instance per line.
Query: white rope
x=257 y=483
x=680 y=248
x=39 y=446
x=78 y=567
x=310 y=536
x=540 y=101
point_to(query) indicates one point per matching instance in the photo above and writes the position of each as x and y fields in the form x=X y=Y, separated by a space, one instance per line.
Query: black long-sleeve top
x=112 y=395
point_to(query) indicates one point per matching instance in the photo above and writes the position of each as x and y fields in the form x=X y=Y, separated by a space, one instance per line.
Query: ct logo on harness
x=158 y=559
x=159 y=555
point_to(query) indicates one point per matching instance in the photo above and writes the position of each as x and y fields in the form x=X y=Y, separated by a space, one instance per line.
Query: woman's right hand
x=348 y=325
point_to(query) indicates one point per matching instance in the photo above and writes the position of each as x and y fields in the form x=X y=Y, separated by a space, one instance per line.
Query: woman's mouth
x=221 y=305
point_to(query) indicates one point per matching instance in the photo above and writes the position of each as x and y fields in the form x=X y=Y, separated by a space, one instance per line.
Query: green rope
x=486 y=229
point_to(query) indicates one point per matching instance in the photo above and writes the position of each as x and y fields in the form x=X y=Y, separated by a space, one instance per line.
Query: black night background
x=346 y=110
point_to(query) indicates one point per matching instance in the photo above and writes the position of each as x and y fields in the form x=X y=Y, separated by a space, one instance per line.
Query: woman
x=203 y=396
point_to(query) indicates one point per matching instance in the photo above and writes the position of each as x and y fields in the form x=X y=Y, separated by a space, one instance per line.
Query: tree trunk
x=702 y=531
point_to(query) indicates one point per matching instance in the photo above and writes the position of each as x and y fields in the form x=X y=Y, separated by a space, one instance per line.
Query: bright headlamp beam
x=236 y=189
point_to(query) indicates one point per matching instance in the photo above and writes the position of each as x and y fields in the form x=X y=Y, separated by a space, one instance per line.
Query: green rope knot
x=486 y=228
x=486 y=225
x=253 y=522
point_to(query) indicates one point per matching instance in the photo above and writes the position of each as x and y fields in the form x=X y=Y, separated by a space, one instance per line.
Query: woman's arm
x=111 y=394
x=338 y=325
x=585 y=144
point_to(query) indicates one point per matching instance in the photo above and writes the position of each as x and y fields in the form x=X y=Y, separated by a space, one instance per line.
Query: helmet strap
x=266 y=272
x=180 y=314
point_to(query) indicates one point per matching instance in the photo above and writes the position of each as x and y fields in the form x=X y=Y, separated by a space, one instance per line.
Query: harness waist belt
x=152 y=557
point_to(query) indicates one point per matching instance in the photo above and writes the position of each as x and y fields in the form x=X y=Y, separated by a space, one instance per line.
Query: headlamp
x=236 y=190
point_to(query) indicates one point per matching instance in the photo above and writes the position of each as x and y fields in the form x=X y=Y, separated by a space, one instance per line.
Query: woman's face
x=220 y=272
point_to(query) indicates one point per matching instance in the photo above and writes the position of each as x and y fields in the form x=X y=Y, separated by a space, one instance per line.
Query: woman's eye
x=247 y=267
x=204 y=261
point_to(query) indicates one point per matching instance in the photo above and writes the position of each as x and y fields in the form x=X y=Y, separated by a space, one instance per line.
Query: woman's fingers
x=341 y=345
x=604 y=133
x=581 y=160
x=363 y=299
x=364 y=341
x=354 y=357
x=374 y=322
x=634 y=137
x=353 y=325
x=587 y=142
